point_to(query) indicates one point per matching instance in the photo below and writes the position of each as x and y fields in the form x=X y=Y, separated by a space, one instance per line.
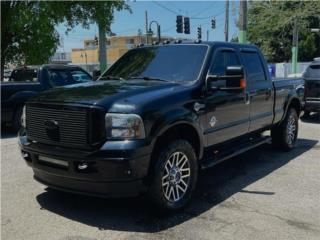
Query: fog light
x=26 y=156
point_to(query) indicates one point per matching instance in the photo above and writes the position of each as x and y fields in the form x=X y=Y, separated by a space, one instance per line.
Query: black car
x=25 y=82
x=155 y=118
x=312 y=88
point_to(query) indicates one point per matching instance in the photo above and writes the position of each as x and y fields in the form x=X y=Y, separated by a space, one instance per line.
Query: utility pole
x=159 y=33
x=146 y=22
x=207 y=35
x=102 y=47
x=243 y=22
x=294 y=50
x=139 y=35
x=226 y=22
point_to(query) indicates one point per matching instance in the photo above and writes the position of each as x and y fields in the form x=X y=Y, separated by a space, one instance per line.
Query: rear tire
x=284 y=136
x=174 y=176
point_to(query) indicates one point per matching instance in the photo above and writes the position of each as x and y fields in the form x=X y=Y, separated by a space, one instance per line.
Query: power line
x=204 y=9
x=176 y=13
x=166 y=8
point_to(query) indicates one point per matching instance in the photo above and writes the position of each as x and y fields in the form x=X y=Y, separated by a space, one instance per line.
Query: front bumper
x=312 y=106
x=116 y=169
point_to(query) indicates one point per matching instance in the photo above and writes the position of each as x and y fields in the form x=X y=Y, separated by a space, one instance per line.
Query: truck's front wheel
x=174 y=175
x=285 y=135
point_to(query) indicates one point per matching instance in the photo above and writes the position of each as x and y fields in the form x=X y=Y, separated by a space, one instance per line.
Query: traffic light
x=186 y=21
x=179 y=24
x=213 y=23
x=199 y=32
x=96 y=41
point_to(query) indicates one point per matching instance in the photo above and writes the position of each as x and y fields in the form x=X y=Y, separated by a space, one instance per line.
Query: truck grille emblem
x=52 y=129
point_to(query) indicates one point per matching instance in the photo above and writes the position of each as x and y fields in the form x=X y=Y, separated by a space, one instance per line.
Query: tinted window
x=313 y=71
x=223 y=59
x=79 y=75
x=171 y=62
x=58 y=77
x=24 y=75
x=254 y=67
x=61 y=77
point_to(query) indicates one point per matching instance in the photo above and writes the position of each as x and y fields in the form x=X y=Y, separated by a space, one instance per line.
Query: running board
x=218 y=157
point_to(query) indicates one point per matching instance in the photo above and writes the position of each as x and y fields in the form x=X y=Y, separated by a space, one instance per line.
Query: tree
x=101 y=13
x=270 y=26
x=28 y=32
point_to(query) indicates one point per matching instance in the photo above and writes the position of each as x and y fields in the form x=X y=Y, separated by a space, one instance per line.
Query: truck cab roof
x=208 y=43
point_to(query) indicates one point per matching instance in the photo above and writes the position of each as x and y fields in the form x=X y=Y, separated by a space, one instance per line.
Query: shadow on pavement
x=6 y=132
x=214 y=186
x=313 y=118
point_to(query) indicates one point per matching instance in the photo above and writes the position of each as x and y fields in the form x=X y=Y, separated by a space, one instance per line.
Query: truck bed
x=283 y=88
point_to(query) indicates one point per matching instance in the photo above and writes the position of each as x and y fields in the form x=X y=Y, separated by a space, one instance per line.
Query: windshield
x=170 y=62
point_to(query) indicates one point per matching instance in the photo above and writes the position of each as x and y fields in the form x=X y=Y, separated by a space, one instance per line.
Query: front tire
x=16 y=121
x=174 y=176
x=284 y=136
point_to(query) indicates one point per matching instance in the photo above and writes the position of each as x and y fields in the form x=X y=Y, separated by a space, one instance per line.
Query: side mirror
x=96 y=74
x=234 y=71
x=233 y=78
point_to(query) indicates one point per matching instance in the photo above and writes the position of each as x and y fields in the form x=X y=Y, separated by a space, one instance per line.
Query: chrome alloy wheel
x=176 y=176
x=291 y=130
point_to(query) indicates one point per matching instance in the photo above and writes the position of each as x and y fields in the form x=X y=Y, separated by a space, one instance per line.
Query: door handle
x=268 y=93
x=198 y=106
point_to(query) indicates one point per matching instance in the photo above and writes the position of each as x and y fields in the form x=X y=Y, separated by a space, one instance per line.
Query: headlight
x=23 y=117
x=124 y=126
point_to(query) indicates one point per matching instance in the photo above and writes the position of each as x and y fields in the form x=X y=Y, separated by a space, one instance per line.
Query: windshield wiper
x=151 y=78
x=109 y=77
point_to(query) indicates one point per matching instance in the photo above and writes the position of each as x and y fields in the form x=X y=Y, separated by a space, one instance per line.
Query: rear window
x=24 y=75
x=313 y=71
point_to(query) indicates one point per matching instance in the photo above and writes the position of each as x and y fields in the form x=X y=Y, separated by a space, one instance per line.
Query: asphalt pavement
x=261 y=194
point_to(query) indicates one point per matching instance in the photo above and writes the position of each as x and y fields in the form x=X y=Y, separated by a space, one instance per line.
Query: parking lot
x=261 y=194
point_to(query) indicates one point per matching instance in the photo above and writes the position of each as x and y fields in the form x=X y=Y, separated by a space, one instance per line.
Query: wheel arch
x=294 y=103
x=180 y=129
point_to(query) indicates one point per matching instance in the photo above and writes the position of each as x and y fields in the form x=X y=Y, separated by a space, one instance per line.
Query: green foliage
x=270 y=26
x=28 y=32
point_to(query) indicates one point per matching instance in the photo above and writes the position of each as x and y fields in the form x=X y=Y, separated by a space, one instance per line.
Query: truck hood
x=108 y=93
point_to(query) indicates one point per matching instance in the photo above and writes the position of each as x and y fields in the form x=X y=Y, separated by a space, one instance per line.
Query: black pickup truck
x=25 y=82
x=155 y=118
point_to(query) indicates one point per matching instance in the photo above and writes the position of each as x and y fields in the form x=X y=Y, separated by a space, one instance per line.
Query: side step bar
x=218 y=157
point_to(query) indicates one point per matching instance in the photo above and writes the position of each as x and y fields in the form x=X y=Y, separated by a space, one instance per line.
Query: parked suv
x=312 y=88
x=155 y=118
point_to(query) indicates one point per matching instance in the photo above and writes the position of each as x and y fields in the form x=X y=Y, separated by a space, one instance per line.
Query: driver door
x=227 y=113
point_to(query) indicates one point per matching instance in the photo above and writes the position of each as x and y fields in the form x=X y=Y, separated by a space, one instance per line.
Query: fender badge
x=213 y=121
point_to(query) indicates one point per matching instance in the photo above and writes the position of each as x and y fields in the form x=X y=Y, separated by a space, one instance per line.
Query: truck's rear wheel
x=174 y=175
x=285 y=135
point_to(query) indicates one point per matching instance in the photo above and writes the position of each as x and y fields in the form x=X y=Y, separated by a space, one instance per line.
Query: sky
x=164 y=12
